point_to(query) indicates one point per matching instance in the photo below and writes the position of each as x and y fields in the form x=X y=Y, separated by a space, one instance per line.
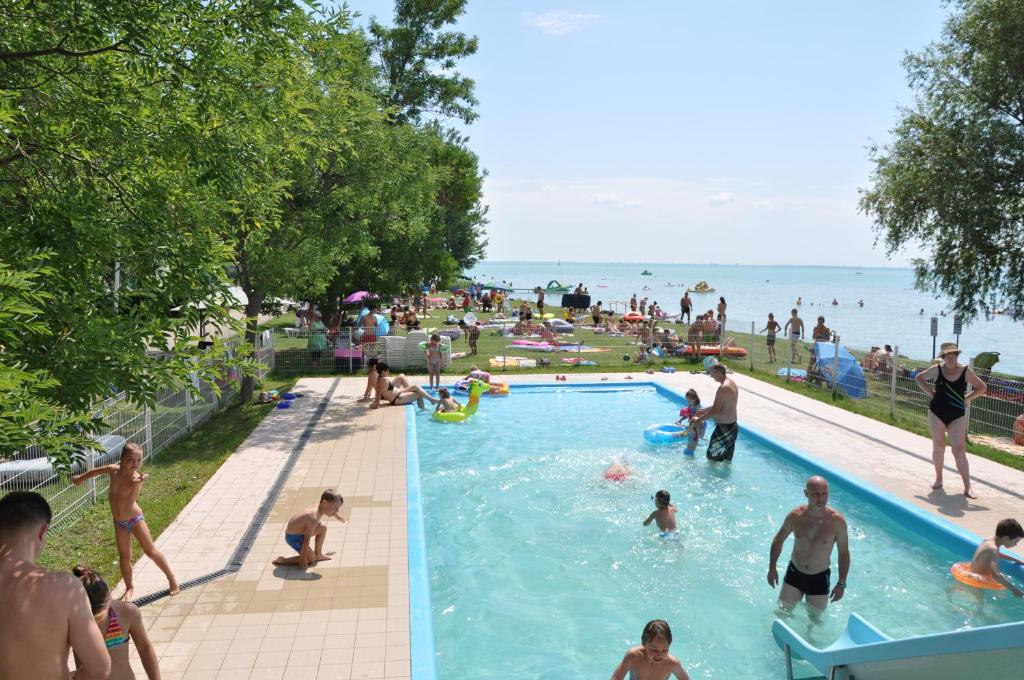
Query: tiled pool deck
x=349 y=617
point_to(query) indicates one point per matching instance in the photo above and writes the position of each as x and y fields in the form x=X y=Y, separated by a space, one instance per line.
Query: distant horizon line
x=692 y=264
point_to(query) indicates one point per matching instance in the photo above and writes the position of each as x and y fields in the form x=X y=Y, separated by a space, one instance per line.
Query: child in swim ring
x=651 y=658
x=985 y=562
x=445 y=403
x=664 y=513
x=688 y=413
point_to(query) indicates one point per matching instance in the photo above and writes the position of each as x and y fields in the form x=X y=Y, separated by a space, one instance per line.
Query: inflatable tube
x=462 y=385
x=714 y=351
x=962 y=572
x=477 y=388
x=663 y=435
x=668 y=369
x=498 y=390
x=633 y=316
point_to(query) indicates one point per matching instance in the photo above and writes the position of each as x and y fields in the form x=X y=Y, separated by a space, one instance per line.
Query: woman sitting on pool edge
x=390 y=392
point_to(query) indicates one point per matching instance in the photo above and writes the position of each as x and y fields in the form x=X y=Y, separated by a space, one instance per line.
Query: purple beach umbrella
x=358 y=296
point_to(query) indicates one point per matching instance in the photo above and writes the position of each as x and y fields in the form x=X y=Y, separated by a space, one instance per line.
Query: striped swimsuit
x=114 y=637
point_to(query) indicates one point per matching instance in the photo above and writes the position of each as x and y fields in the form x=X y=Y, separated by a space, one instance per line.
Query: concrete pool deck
x=349 y=617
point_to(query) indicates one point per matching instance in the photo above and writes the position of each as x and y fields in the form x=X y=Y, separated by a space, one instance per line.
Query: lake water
x=890 y=315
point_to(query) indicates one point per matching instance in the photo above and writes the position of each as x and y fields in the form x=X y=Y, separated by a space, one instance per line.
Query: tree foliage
x=952 y=178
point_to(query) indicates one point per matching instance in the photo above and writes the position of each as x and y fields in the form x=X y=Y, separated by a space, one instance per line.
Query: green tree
x=952 y=178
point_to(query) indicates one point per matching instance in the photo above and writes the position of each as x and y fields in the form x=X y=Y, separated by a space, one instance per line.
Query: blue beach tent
x=850 y=375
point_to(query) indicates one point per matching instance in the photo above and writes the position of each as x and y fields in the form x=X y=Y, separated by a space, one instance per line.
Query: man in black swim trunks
x=817 y=528
x=723 y=440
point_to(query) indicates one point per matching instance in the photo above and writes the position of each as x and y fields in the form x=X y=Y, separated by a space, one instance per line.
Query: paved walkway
x=349 y=617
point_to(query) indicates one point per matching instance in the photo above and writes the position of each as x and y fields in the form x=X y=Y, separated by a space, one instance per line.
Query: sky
x=683 y=130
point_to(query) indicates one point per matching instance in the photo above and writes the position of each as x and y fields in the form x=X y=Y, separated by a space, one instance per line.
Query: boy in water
x=123 y=496
x=306 y=528
x=446 y=404
x=434 y=360
x=688 y=413
x=664 y=515
x=986 y=558
x=651 y=660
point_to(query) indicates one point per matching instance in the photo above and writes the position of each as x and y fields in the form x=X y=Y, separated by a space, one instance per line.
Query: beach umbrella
x=358 y=296
x=494 y=285
x=849 y=375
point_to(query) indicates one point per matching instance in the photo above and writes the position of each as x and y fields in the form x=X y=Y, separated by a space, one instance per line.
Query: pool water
x=540 y=568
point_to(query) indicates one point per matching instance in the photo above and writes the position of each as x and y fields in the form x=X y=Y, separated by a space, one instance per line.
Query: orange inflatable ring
x=1018 y=430
x=633 y=316
x=962 y=572
x=498 y=389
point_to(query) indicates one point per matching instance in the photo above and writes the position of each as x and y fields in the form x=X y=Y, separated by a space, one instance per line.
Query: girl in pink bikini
x=123 y=495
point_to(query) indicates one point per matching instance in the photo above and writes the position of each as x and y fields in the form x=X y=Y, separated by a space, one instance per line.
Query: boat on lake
x=701 y=287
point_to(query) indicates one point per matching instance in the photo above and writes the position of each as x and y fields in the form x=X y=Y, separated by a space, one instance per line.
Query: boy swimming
x=688 y=413
x=651 y=660
x=306 y=527
x=664 y=514
x=125 y=485
x=985 y=562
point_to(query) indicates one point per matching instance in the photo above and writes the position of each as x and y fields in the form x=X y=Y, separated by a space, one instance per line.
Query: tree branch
x=57 y=49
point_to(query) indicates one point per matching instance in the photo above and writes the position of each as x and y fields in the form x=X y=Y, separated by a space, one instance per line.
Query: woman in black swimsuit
x=947 y=410
x=394 y=393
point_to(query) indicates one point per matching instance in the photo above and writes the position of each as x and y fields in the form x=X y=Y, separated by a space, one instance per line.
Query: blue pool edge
x=422 y=650
x=421 y=627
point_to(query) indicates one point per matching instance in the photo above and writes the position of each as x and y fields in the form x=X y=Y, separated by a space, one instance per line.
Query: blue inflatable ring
x=663 y=435
x=462 y=385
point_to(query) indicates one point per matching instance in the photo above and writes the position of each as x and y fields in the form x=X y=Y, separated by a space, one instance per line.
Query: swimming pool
x=538 y=567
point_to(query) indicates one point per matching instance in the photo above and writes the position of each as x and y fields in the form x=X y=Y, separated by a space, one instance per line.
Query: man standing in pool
x=817 y=528
x=723 y=410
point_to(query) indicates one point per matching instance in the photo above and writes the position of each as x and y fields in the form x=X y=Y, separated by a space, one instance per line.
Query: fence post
x=149 y=432
x=90 y=464
x=789 y=361
x=835 y=367
x=892 y=386
x=967 y=408
x=188 y=409
x=751 y=345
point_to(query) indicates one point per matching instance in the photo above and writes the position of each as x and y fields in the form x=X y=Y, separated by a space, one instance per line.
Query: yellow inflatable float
x=476 y=388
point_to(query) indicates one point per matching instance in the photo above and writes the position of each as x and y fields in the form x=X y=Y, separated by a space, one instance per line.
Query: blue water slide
x=863 y=652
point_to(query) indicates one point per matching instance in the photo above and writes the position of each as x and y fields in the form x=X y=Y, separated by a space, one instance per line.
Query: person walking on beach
x=795 y=328
x=721 y=309
x=685 y=305
x=817 y=528
x=722 y=444
x=947 y=409
x=48 y=613
x=772 y=327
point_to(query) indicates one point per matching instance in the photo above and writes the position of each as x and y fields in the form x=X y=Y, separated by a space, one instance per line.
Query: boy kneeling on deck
x=306 y=528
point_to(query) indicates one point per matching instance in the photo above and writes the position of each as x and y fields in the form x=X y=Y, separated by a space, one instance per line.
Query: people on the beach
x=651 y=660
x=947 y=409
x=118 y=622
x=817 y=528
x=820 y=333
x=434 y=361
x=664 y=513
x=472 y=335
x=795 y=328
x=46 y=613
x=305 y=533
x=540 y=301
x=721 y=309
x=123 y=495
x=445 y=403
x=685 y=305
x=632 y=303
x=772 y=327
x=393 y=393
x=985 y=562
x=722 y=444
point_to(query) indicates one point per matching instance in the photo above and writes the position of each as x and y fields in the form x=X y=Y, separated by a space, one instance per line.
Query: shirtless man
x=817 y=528
x=723 y=440
x=820 y=333
x=685 y=305
x=795 y=328
x=46 y=613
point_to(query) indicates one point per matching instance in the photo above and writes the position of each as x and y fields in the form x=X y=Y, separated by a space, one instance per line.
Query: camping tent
x=850 y=375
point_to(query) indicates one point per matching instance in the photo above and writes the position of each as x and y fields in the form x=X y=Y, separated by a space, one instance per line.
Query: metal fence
x=176 y=412
x=887 y=384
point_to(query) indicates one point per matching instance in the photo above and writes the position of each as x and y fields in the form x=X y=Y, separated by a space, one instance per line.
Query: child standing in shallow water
x=434 y=360
x=306 y=528
x=688 y=413
x=651 y=660
x=123 y=495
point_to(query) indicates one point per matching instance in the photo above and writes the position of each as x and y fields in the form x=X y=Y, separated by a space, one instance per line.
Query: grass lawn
x=175 y=476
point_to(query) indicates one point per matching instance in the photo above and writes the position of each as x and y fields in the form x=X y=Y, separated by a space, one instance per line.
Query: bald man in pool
x=817 y=529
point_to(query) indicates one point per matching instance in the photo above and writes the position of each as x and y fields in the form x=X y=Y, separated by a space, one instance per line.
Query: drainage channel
x=249 y=537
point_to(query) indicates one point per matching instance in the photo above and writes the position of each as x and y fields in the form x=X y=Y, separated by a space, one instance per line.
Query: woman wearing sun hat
x=947 y=409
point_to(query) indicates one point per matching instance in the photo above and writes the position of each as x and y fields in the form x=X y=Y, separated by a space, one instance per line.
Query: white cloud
x=617 y=201
x=720 y=198
x=558 y=22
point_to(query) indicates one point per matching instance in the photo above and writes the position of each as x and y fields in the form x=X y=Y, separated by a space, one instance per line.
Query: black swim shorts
x=723 y=442
x=808 y=584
